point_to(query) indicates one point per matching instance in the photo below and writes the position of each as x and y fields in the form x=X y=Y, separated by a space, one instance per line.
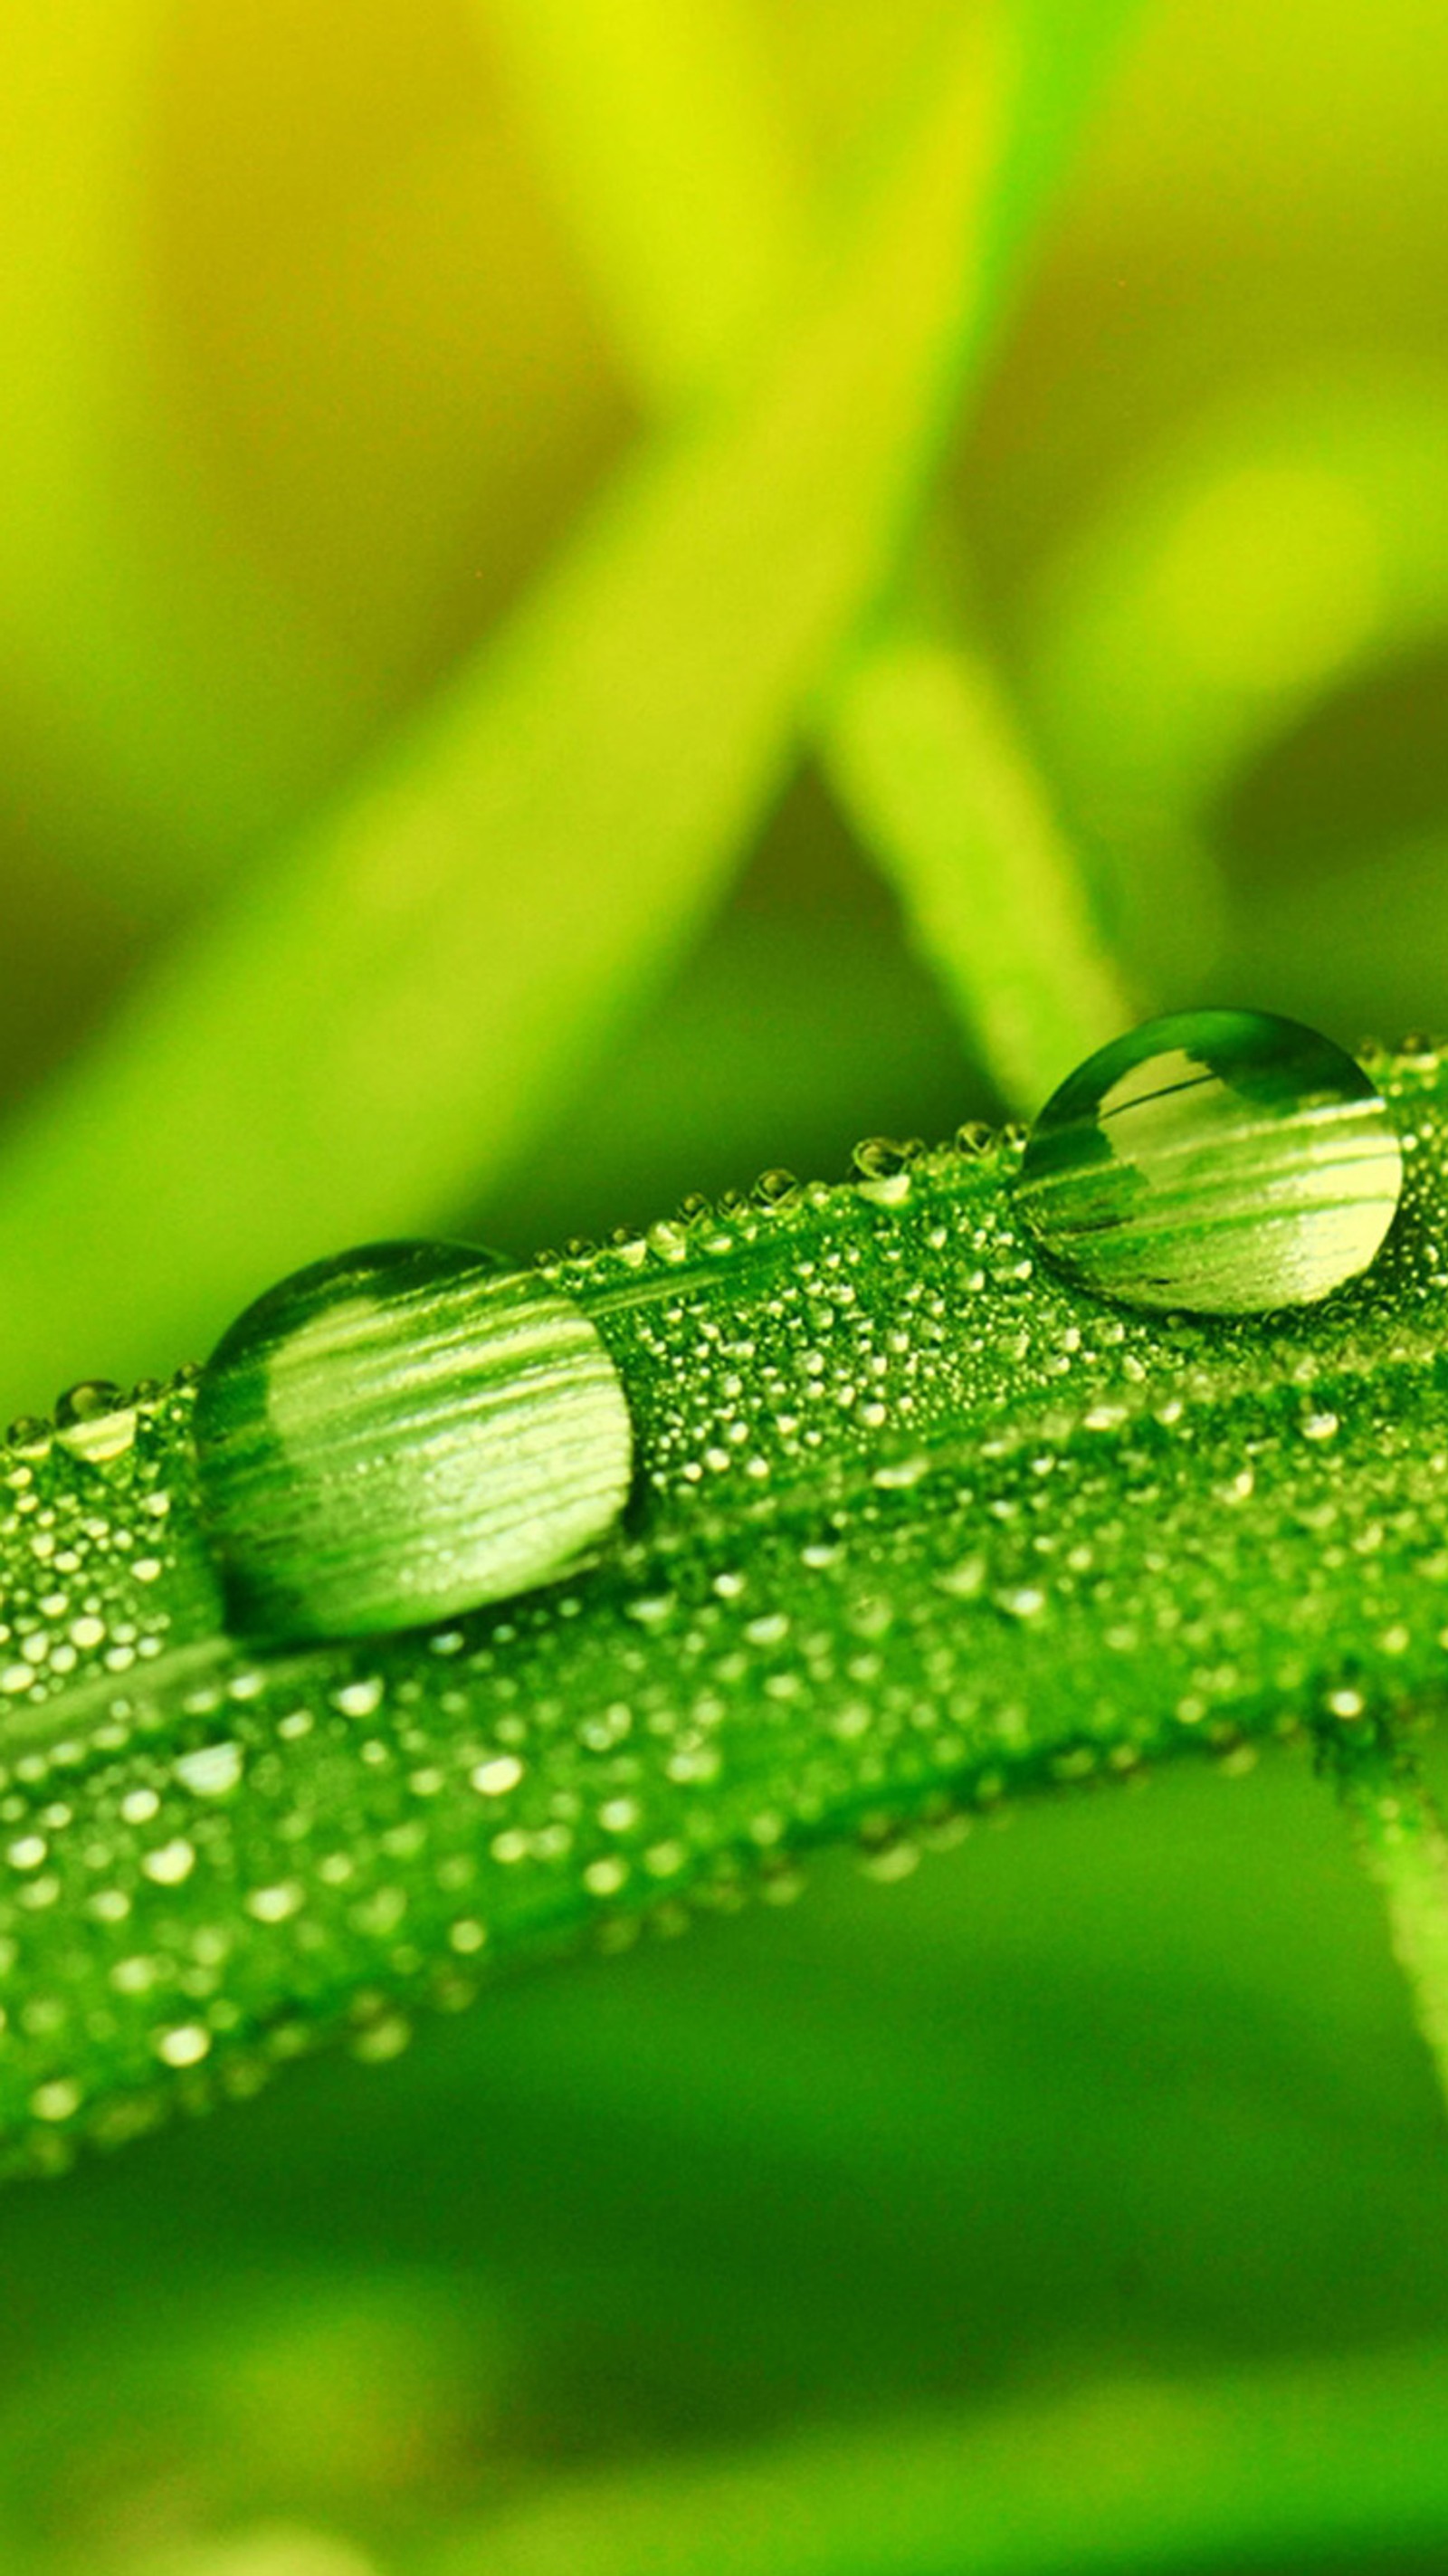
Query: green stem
x=926 y=754
x=1404 y=1848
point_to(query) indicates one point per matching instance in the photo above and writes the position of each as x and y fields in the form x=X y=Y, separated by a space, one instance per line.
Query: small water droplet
x=276 y=1904
x=605 y=1877
x=882 y=1169
x=185 y=2044
x=382 y=2039
x=361 y=1698
x=94 y=1421
x=58 y=2100
x=170 y=1862
x=1217 y=1162
x=212 y=1770
x=496 y=1776
x=402 y=1433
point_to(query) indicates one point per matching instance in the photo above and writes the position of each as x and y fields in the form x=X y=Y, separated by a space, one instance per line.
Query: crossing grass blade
x=648 y=105
x=384 y=1018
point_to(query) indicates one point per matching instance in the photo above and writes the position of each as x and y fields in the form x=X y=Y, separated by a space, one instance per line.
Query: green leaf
x=1290 y=542
x=649 y=104
x=917 y=1526
x=641 y=107
x=383 y=1019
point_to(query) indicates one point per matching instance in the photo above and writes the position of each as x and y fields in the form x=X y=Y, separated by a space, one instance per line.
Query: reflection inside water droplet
x=402 y=1433
x=94 y=1421
x=1219 y=1162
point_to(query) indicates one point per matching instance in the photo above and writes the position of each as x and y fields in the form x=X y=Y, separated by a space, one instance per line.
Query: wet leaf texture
x=916 y=1525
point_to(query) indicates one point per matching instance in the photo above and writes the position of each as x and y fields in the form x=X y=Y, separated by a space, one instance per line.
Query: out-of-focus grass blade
x=691 y=205
x=127 y=626
x=928 y=758
x=1143 y=2036
x=1263 y=2469
x=650 y=106
x=1287 y=545
x=383 y=1018
x=695 y=205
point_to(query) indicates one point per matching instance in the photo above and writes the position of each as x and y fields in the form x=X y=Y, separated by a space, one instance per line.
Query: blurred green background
x=307 y=375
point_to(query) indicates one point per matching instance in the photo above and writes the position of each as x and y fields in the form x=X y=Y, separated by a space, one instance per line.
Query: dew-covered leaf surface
x=916 y=1525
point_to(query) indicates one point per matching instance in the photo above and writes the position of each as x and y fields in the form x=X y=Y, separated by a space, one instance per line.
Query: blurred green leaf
x=152 y=671
x=382 y=1019
x=1269 y=555
x=1124 y=2091
x=916 y=1524
x=649 y=105
x=668 y=144
x=1344 y=947
x=1257 y=2470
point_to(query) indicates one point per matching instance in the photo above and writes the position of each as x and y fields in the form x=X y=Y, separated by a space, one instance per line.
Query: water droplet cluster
x=917 y=1523
x=104 y=1569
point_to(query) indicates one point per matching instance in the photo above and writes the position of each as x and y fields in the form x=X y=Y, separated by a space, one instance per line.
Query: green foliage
x=641 y=105
x=1286 y=2463
x=381 y=1019
x=1278 y=551
x=161 y=677
x=1120 y=2094
x=1126 y=2105
x=917 y=1525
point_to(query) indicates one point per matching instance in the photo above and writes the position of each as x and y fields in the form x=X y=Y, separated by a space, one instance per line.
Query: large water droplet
x=1220 y=1162
x=403 y=1432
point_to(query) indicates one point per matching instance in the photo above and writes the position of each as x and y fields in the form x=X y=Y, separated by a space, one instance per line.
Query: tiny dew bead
x=1215 y=1162
x=401 y=1433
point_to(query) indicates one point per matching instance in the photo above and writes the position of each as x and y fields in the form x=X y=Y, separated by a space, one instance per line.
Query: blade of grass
x=929 y=761
x=916 y=1526
x=1290 y=543
x=662 y=138
x=384 y=1018
x=649 y=106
